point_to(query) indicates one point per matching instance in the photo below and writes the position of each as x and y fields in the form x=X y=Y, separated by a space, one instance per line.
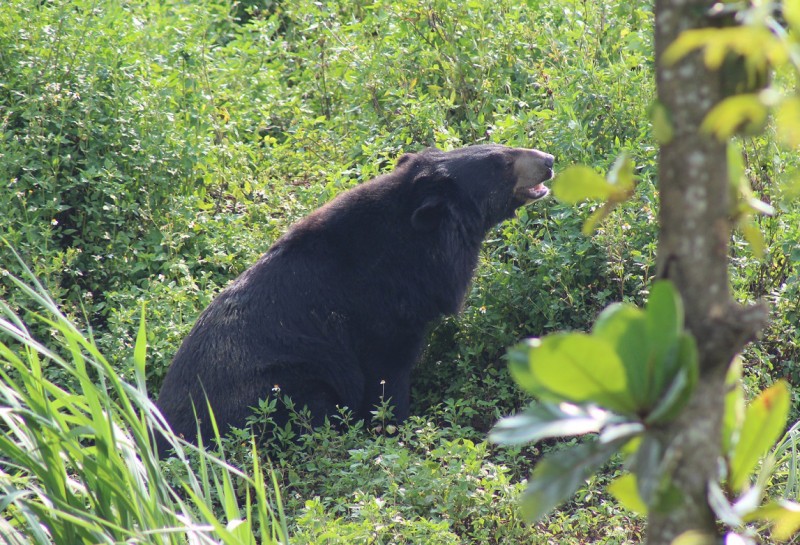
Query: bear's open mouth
x=531 y=193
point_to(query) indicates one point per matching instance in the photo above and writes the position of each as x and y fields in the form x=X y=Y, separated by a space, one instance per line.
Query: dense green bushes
x=151 y=151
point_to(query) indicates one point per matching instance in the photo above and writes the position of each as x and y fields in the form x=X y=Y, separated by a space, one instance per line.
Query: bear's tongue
x=536 y=192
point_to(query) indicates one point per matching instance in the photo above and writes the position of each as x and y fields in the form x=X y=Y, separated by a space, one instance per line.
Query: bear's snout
x=532 y=168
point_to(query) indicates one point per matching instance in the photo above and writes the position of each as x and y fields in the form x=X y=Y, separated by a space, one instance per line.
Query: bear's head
x=495 y=180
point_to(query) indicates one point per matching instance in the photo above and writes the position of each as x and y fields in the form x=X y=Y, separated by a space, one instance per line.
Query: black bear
x=336 y=312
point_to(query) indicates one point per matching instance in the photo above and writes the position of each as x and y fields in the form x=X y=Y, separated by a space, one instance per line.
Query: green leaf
x=574 y=367
x=626 y=493
x=664 y=309
x=662 y=124
x=140 y=352
x=673 y=400
x=686 y=42
x=734 y=407
x=763 y=425
x=791 y=12
x=624 y=326
x=734 y=114
x=545 y=420
x=578 y=183
x=695 y=537
x=664 y=315
x=559 y=474
x=646 y=465
x=755 y=43
x=754 y=237
x=785 y=516
x=735 y=168
x=787 y=121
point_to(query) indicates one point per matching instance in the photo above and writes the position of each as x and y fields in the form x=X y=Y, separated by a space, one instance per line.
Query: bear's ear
x=429 y=214
x=435 y=192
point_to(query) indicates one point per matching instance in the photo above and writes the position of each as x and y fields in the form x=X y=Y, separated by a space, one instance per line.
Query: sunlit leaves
x=791 y=12
x=787 y=122
x=624 y=326
x=579 y=183
x=662 y=124
x=745 y=204
x=636 y=368
x=747 y=436
x=784 y=515
x=573 y=367
x=763 y=424
x=631 y=359
x=624 y=489
x=756 y=44
x=736 y=114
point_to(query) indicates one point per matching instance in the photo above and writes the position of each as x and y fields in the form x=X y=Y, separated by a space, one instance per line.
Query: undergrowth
x=151 y=151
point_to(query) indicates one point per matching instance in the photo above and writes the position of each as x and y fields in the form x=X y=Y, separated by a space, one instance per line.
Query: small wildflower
x=54 y=222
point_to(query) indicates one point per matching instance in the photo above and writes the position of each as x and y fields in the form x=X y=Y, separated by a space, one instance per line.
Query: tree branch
x=693 y=252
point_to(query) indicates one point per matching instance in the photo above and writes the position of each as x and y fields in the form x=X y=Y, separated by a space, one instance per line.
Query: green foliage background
x=150 y=151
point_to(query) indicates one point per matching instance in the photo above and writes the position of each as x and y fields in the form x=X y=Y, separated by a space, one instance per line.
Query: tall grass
x=78 y=466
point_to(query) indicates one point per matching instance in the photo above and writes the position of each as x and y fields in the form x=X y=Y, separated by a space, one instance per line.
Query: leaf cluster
x=633 y=372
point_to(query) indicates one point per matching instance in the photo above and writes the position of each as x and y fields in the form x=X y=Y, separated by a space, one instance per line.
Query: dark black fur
x=342 y=301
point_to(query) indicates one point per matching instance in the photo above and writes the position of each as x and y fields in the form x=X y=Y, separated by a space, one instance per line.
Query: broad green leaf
x=559 y=474
x=577 y=368
x=754 y=237
x=646 y=465
x=734 y=407
x=789 y=185
x=687 y=42
x=664 y=309
x=784 y=515
x=791 y=12
x=756 y=44
x=735 y=168
x=787 y=122
x=578 y=183
x=764 y=422
x=624 y=327
x=695 y=537
x=736 y=113
x=519 y=366
x=626 y=493
x=673 y=400
x=542 y=421
x=662 y=124
x=664 y=314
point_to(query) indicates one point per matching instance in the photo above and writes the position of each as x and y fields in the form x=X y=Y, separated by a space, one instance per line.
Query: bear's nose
x=549 y=160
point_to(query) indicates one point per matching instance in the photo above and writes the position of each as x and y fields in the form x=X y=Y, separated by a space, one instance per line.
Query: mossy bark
x=693 y=253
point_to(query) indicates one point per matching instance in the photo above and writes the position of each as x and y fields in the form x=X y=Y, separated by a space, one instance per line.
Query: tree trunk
x=695 y=229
